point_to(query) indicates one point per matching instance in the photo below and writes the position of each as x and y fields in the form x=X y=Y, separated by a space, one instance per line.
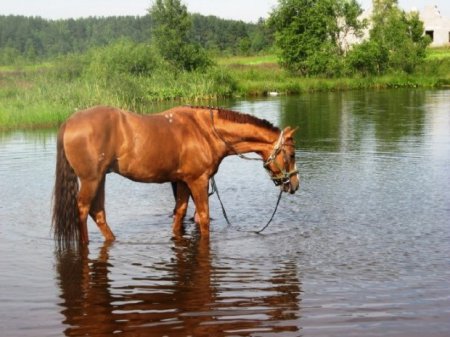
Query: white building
x=436 y=26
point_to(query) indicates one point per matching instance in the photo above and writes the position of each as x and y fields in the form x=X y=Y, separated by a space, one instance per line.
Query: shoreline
x=34 y=97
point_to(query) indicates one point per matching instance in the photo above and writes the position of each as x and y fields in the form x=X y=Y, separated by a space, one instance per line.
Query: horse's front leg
x=199 y=192
x=182 y=199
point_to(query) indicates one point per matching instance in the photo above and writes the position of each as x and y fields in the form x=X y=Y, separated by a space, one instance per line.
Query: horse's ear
x=289 y=132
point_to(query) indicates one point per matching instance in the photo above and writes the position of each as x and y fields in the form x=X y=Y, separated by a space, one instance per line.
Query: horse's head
x=281 y=162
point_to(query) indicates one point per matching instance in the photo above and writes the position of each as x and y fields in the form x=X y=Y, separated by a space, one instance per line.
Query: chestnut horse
x=184 y=145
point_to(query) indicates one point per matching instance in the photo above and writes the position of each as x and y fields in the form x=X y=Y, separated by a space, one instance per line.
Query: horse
x=184 y=145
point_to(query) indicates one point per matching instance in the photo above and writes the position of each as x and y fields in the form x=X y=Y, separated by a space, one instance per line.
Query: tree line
x=309 y=37
x=35 y=38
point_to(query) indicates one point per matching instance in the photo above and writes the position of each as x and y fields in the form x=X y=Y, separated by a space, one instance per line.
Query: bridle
x=279 y=179
x=284 y=176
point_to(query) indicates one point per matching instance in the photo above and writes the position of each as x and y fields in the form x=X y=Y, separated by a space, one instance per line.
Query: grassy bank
x=260 y=76
x=38 y=100
x=43 y=95
x=438 y=53
x=263 y=81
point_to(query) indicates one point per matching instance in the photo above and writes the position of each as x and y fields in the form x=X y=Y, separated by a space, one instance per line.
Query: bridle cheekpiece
x=284 y=176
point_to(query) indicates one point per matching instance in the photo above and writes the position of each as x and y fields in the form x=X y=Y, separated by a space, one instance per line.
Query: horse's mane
x=242 y=118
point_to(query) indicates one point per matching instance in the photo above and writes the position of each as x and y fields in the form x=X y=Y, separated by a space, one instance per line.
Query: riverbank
x=258 y=76
x=44 y=95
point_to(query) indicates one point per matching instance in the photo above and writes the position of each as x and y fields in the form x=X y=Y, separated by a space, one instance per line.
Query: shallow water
x=362 y=249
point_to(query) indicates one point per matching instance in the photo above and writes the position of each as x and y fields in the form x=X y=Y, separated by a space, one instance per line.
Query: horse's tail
x=65 y=218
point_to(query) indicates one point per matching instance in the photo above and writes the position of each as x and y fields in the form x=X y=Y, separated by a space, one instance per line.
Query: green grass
x=247 y=60
x=43 y=98
x=44 y=95
x=264 y=78
x=438 y=53
x=25 y=67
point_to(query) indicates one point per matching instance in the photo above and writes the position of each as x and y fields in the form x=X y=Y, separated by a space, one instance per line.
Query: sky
x=246 y=10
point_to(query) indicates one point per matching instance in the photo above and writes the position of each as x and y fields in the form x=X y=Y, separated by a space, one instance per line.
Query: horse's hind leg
x=182 y=199
x=88 y=190
x=97 y=212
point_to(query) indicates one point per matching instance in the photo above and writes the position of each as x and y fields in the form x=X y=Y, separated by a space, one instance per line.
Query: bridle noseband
x=284 y=176
x=281 y=178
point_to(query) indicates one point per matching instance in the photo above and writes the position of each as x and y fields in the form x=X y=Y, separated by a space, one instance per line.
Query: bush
x=70 y=67
x=367 y=58
x=123 y=58
x=192 y=57
x=327 y=61
x=10 y=56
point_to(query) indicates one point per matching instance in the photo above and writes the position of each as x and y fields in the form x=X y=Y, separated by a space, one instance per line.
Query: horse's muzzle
x=291 y=185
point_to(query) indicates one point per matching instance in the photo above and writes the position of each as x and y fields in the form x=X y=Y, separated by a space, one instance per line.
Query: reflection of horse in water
x=187 y=296
x=184 y=145
x=87 y=302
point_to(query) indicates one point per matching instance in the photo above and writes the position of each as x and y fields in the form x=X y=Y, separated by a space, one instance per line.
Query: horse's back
x=95 y=116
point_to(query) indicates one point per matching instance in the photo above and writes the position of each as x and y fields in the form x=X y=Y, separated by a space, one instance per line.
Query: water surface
x=361 y=249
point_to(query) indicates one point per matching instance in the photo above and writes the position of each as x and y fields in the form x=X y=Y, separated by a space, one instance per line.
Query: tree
x=396 y=41
x=261 y=36
x=308 y=33
x=399 y=34
x=172 y=24
x=38 y=39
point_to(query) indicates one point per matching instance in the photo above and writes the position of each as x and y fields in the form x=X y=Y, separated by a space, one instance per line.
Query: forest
x=34 y=38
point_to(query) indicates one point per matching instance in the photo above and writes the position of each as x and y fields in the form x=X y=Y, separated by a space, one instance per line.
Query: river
x=362 y=249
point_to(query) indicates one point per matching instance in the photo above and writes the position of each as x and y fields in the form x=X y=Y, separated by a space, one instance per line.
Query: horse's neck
x=243 y=138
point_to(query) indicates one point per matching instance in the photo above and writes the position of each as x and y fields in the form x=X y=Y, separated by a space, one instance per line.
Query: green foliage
x=31 y=39
x=230 y=37
x=69 y=67
x=45 y=95
x=411 y=43
x=36 y=38
x=437 y=67
x=438 y=53
x=367 y=58
x=396 y=42
x=308 y=33
x=124 y=74
x=172 y=24
x=123 y=57
x=10 y=56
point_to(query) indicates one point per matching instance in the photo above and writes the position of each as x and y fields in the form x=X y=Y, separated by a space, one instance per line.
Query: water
x=362 y=248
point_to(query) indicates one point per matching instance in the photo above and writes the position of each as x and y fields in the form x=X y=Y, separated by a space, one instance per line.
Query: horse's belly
x=144 y=174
